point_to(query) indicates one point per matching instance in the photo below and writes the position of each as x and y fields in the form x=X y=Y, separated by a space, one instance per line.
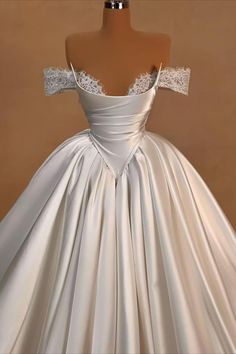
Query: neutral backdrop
x=201 y=125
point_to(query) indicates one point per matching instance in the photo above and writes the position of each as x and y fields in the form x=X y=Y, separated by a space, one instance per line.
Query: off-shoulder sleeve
x=175 y=78
x=57 y=80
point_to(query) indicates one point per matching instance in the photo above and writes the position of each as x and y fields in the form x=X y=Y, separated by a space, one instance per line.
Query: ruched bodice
x=117 y=123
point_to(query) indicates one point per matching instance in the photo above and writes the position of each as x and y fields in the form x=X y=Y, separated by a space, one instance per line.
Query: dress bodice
x=117 y=123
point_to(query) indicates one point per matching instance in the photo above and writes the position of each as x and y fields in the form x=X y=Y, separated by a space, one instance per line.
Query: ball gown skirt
x=117 y=245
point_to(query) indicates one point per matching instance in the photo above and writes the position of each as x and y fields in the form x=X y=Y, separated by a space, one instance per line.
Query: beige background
x=201 y=125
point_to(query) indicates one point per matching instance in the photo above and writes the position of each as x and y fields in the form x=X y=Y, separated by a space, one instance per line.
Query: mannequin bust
x=117 y=51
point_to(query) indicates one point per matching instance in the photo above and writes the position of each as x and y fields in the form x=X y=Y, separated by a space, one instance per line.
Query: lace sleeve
x=57 y=80
x=175 y=78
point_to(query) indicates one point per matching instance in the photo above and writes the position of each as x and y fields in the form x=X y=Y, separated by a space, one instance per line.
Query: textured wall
x=201 y=125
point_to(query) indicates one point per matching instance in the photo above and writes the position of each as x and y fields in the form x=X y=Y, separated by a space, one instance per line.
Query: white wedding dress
x=117 y=245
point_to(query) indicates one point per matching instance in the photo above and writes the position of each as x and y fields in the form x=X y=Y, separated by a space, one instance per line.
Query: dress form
x=116 y=245
x=115 y=51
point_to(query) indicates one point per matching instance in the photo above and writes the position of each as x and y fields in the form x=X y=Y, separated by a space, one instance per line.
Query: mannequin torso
x=116 y=55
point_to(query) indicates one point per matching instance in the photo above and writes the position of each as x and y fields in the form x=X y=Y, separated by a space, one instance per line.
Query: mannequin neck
x=116 y=22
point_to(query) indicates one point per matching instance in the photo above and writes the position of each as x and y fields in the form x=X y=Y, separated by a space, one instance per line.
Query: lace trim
x=175 y=78
x=142 y=83
x=90 y=83
x=57 y=80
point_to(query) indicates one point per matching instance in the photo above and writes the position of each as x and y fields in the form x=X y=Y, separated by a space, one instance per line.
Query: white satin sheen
x=117 y=245
x=117 y=129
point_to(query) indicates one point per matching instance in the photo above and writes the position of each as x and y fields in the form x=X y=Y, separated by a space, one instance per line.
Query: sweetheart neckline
x=153 y=86
x=99 y=82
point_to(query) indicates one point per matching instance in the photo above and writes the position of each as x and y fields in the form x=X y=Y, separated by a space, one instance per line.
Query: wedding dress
x=117 y=245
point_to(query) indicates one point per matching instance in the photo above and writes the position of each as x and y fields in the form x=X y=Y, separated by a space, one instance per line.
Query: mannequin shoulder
x=162 y=49
x=158 y=45
x=77 y=38
x=75 y=45
x=160 y=38
x=74 y=39
x=162 y=41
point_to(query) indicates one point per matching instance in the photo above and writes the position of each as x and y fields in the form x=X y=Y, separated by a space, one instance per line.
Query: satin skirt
x=144 y=264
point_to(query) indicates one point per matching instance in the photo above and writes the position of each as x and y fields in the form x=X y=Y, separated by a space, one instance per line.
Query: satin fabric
x=117 y=245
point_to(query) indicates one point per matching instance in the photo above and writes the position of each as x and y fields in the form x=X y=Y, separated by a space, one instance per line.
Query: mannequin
x=117 y=54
